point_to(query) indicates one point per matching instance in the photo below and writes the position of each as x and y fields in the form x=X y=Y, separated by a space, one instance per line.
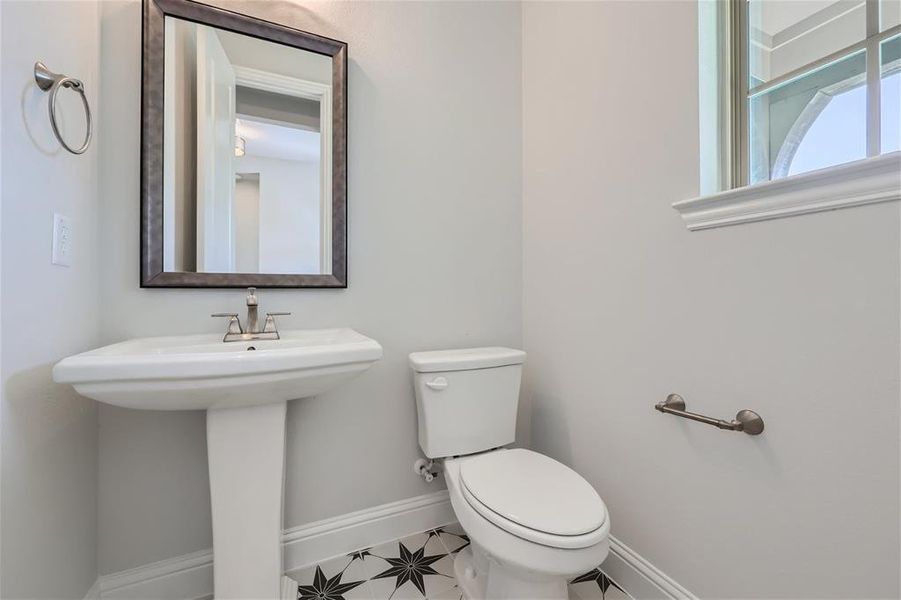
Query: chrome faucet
x=236 y=333
x=252 y=305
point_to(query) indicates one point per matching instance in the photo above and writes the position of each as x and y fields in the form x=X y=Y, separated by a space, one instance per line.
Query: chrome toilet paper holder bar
x=746 y=420
x=51 y=82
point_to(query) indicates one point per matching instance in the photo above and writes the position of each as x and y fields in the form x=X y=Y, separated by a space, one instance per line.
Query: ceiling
x=273 y=140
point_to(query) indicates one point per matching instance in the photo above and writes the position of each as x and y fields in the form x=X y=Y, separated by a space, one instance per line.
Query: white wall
x=49 y=433
x=795 y=318
x=289 y=213
x=245 y=51
x=247 y=225
x=435 y=245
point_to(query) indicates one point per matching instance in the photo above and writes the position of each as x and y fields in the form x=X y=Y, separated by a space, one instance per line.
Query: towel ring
x=47 y=80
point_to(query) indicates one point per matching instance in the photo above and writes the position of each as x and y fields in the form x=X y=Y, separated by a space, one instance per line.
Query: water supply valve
x=423 y=468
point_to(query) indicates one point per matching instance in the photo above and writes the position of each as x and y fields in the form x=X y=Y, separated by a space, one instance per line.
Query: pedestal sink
x=244 y=387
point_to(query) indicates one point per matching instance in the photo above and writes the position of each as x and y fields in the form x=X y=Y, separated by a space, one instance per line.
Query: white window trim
x=868 y=181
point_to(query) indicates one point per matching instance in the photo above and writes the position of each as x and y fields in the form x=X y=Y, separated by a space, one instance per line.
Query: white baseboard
x=94 y=592
x=314 y=542
x=190 y=576
x=641 y=579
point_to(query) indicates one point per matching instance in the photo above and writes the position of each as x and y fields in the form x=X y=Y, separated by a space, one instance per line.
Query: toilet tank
x=466 y=399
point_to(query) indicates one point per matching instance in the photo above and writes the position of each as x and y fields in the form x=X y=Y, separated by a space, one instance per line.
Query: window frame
x=736 y=166
x=726 y=199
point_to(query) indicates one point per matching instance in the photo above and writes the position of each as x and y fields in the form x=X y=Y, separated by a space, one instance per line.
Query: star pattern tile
x=452 y=536
x=360 y=554
x=410 y=566
x=418 y=567
x=326 y=588
x=598 y=585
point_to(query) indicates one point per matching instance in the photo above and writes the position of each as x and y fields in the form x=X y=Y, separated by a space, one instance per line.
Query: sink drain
x=249 y=348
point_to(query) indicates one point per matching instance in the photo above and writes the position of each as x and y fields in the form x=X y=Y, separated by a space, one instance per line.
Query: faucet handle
x=269 y=325
x=234 y=323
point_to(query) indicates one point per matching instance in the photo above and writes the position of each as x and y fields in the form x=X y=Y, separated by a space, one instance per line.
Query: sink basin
x=244 y=387
x=201 y=371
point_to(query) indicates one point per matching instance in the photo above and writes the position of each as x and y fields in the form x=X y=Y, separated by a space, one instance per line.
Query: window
x=807 y=84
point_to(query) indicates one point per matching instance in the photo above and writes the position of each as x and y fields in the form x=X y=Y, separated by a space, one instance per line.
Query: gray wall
x=435 y=246
x=49 y=433
x=795 y=318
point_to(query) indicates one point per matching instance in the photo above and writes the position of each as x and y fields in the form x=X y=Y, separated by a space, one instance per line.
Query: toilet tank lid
x=465 y=358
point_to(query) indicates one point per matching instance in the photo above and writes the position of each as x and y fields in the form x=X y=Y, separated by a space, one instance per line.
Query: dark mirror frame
x=152 y=93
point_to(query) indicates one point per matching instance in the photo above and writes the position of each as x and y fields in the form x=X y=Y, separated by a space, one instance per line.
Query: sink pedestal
x=245 y=392
x=246 y=448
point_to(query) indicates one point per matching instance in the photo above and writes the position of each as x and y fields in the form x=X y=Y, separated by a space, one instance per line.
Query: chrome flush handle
x=438 y=384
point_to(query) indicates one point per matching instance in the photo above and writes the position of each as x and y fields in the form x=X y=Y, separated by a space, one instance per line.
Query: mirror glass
x=246 y=154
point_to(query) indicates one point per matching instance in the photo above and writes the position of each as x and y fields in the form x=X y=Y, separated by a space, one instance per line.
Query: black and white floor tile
x=417 y=567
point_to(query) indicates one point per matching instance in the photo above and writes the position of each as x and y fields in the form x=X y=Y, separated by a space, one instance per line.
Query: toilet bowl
x=524 y=546
x=533 y=522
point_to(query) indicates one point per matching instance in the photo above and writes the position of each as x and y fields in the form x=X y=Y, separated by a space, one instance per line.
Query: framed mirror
x=243 y=151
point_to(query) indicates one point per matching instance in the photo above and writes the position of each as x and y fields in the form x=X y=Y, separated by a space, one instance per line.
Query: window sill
x=867 y=181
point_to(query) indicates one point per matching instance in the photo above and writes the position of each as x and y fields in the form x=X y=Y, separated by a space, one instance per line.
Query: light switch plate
x=62 y=241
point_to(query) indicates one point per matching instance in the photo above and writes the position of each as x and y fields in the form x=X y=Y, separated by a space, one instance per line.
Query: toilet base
x=465 y=574
x=482 y=578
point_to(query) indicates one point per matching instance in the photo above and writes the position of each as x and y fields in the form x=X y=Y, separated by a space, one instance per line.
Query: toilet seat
x=535 y=498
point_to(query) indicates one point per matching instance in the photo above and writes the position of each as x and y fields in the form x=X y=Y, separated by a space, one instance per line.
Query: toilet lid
x=534 y=491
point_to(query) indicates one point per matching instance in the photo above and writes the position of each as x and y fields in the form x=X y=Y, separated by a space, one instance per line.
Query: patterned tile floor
x=417 y=567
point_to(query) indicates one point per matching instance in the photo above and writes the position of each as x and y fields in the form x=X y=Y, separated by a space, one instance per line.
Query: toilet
x=533 y=522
